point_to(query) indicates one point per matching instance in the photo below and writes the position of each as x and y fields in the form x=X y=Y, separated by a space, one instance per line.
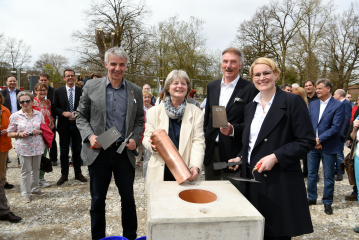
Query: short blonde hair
x=301 y=92
x=266 y=61
x=176 y=74
x=145 y=93
x=23 y=93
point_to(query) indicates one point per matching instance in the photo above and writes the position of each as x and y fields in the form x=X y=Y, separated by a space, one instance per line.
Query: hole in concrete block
x=197 y=196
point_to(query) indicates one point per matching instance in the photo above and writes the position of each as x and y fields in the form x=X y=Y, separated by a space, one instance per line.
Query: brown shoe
x=80 y=177
x=10 y=217
x=352 y=197
x=62 y=180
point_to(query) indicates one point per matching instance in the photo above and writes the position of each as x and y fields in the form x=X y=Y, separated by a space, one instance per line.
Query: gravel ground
x=63 y=213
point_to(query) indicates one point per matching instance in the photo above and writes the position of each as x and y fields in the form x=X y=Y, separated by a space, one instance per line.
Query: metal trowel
x=221 y=165
x=248 y=179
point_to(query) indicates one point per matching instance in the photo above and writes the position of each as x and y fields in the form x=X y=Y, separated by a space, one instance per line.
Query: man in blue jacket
x=340 y=96
x=327 y=115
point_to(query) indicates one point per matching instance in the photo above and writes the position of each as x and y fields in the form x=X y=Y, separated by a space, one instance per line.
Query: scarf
x=172 y=112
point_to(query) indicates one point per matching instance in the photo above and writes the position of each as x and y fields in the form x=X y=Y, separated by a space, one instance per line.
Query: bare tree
x=17 y=53
x=56 y=60
x=342 y=44
x=113 y=23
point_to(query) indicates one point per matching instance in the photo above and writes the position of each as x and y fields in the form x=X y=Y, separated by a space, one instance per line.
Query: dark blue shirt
x=116 y=107
x=174 y=130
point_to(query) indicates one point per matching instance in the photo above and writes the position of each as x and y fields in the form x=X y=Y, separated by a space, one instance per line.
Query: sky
x=47 y=25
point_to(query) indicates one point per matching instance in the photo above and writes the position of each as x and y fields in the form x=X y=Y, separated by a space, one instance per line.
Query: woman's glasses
x=27 y=101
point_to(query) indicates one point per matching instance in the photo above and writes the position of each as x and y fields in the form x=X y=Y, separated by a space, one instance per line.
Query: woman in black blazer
x=277 y=133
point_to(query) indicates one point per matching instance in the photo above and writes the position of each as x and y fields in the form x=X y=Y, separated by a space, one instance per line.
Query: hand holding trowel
x=256 y=168
x=123 y=145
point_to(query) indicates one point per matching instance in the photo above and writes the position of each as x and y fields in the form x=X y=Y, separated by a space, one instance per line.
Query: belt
x=116 y=144
x=72 y=121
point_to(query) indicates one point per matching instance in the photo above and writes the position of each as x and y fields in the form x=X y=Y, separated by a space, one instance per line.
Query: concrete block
x=228 y=216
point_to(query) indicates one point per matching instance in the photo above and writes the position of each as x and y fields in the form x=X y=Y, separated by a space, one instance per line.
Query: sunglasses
x=27 y=101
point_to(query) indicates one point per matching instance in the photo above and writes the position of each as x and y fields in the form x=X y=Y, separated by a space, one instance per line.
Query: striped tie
x=71 y=101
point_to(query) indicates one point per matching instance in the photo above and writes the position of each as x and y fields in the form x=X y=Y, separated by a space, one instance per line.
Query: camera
x=30 y=134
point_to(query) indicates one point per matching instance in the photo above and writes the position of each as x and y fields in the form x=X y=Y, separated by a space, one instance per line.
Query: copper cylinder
x=171 y=156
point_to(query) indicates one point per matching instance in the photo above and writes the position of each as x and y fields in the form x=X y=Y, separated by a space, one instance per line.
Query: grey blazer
x=91 y=116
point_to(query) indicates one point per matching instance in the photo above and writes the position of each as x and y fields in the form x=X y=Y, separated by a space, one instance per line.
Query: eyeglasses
x=69 y=76
x=27 y=101
x=265 y=74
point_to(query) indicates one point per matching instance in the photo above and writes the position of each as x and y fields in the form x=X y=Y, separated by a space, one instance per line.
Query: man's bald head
x=147 y=87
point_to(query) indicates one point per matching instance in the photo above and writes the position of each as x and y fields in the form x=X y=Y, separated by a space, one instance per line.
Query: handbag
x=47 y=134
x=45 y=164
x=348 y=164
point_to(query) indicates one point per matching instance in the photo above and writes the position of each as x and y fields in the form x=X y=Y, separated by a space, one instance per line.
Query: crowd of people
x=269 y=128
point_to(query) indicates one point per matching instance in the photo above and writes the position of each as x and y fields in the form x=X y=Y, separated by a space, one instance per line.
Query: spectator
x=327 y=116
x=354 y=109
x=146 y=107
x=301 y=92
x=66 y=101
x=95 y=75
x=10 y=95
x=295 y=85
x=310 y=89
x=339 y=95
x=287 y=87
x=44 y=106
x=203 y=105
x=192 y=98
x=5 y=213
x=86 y=78
x=354 y=134
x=5 y=145
x=349 y=99
x=80 y=82
x=147 y=87
x=25 y=126
x=159 y=99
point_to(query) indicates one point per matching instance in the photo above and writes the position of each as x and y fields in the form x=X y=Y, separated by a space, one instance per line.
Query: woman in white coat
x=183 y=123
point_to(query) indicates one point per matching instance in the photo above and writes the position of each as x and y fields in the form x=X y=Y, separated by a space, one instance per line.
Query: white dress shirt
x=257 y=122
x=13 y=100
x=323 y=105
x=73 y=95
x=226 y=94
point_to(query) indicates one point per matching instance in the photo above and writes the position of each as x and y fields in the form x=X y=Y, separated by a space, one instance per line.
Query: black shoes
x=328 y=209
x=54 y=163
x=8 y=186
x=62 y=180
x=10 y=217
x=311 y=202
x=339 y=177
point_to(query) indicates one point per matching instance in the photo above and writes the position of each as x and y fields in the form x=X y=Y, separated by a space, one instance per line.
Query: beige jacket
x=191 y=143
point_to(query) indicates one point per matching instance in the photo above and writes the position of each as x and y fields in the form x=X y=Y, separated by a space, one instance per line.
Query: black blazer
x=50 y=96
x=281 y=197
x=61 y=104
x=7 y=102
x=228 y=146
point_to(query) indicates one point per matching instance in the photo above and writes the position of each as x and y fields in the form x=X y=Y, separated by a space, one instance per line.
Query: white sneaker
x=26 y=199
x=44 y=183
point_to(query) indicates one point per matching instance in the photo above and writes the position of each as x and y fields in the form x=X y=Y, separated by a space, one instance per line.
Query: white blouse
x=257 y=122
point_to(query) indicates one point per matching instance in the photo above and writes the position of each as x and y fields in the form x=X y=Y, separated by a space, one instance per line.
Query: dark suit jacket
x=281 y=196
x=228 y=146
x=50 y=96
x=61 y=104
x=7 y=103
x=329 y=125
x=346 y=122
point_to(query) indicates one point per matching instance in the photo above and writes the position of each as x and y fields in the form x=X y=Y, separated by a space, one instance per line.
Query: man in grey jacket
x=107 y=102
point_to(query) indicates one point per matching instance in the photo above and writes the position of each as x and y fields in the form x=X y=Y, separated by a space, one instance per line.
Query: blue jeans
x=107 y=162
x=328 y=161
x=356 y=170
x=340 y=157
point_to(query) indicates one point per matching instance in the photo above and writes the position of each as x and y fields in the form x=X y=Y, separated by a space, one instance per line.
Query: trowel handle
x=256 y=168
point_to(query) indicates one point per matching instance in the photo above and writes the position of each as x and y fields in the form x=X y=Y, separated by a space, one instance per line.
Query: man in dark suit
x=44 y=78
x=234 y=93
x=339 y=95
x=66 y=100
x=327 y=115
x=10 y=94
x=105 y=103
